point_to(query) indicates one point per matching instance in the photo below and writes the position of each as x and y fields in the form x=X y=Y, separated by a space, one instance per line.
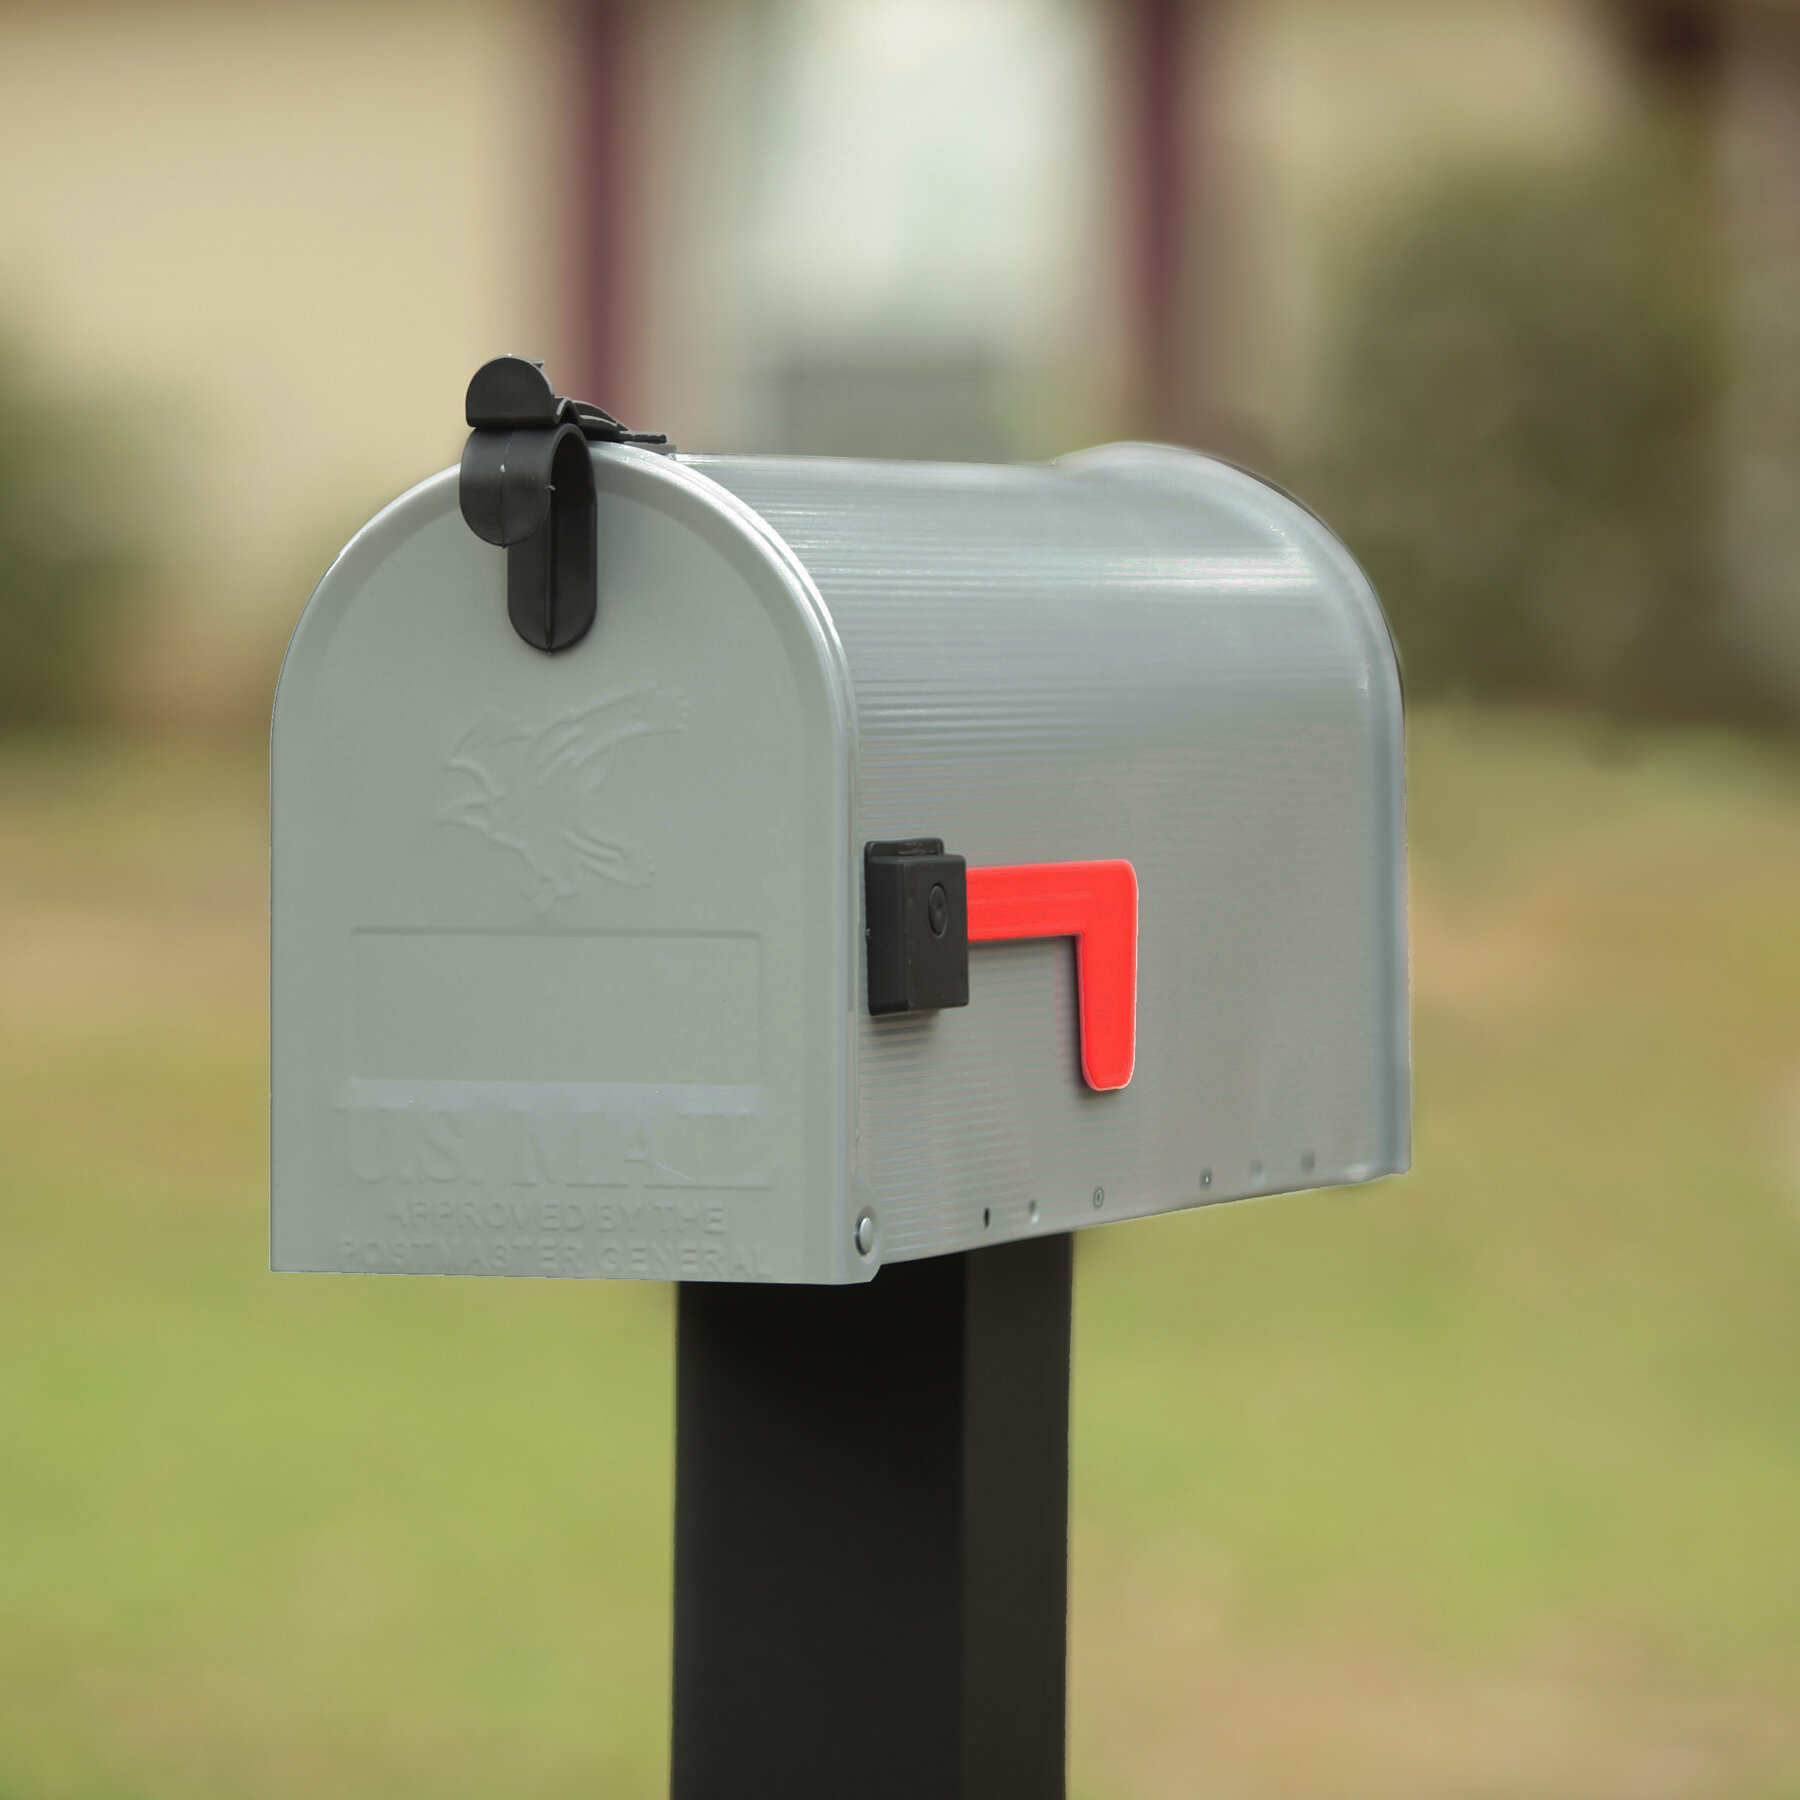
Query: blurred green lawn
x=1481 y=1483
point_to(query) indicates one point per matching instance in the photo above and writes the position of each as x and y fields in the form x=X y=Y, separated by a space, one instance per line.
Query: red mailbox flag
x=1095 y=903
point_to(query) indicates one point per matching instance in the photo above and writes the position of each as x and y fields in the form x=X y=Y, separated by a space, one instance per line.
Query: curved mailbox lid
x=1137 y=654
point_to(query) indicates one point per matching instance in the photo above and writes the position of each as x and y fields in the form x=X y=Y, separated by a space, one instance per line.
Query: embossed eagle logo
x=537 y=793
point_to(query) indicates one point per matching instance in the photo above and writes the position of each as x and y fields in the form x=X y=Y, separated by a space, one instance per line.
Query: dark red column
x=1155 y=159
x=1166 y=164
x=605 y=43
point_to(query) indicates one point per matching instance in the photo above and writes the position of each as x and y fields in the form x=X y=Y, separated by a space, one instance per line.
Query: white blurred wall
x=906 y=200
x=286 y=234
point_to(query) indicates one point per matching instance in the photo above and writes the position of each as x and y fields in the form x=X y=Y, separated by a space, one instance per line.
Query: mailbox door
x=561 y=947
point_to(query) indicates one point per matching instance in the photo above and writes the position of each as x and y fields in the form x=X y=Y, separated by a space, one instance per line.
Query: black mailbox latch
x=916 y=905
x=527 y=485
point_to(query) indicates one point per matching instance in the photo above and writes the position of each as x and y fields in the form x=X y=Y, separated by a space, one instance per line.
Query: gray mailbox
x=741 y=871
x=765 y=869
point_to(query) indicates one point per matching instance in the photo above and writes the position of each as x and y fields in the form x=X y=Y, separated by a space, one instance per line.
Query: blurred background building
x=1512 y=284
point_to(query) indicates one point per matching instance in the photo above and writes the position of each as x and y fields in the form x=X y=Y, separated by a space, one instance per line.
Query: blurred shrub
x=70 y=551
x=1524 y=450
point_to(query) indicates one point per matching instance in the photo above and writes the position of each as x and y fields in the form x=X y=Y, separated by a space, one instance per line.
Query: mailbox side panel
x=561 y=943
x=1139 y=653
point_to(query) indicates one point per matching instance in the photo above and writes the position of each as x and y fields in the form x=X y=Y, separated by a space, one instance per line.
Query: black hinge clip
x=527 y=484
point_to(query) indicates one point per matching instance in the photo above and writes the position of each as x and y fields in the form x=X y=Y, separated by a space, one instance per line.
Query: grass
x=1485 y=1482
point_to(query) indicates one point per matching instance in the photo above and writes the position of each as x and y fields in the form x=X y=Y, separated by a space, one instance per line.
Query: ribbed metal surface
x=1144 y=654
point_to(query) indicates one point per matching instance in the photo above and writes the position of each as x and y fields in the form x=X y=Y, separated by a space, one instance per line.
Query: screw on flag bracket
x=527 y=484
x=924 y=909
